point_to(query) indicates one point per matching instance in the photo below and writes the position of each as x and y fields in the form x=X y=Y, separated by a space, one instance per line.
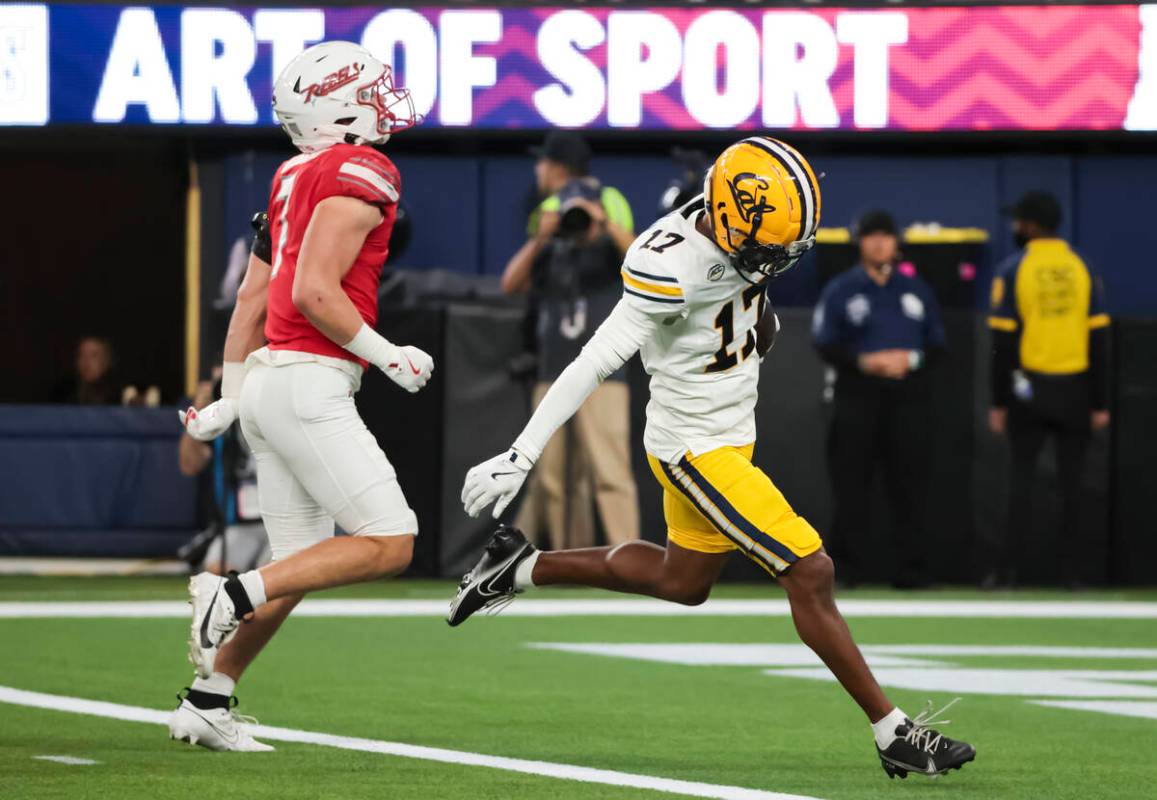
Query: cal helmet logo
x=716 y=272
x=332 y=81
x=749 y=193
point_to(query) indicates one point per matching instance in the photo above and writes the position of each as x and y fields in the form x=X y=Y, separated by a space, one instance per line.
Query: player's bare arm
x=206 y=422
x=335 y=236
x=246 y=324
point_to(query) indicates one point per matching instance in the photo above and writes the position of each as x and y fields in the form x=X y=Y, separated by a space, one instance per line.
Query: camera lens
x=574 y=222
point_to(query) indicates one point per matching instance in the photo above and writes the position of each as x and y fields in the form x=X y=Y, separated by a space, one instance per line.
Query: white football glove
x=409 y=367
x=211 y=421
x=497 y=481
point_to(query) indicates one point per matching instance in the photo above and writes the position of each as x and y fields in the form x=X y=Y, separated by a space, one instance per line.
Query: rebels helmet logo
x=331 y=82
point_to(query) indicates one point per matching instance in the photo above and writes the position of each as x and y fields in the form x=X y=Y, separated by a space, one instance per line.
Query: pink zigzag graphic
x=906 y=113
x=1013 y=82
x=511 y=88
x=1054 y=22
x=1107 y=52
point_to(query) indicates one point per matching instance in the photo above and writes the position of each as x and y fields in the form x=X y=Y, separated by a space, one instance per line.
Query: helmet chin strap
x=764 y=277
x=731 y=254
x=735 y=257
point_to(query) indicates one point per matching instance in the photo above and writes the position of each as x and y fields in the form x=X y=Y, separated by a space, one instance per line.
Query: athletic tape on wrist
x=370 y=345
x=232 y=376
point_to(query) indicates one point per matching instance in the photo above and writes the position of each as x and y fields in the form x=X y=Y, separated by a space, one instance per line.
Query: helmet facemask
x=393 y=105
x=768 y=260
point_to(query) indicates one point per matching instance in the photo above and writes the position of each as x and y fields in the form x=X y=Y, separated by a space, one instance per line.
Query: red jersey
x=298 y=186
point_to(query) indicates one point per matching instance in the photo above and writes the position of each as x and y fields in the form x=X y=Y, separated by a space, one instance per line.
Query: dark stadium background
x=95 y=222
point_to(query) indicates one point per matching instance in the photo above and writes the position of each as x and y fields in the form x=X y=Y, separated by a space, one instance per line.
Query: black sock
x=242 y=607
x=206 y=700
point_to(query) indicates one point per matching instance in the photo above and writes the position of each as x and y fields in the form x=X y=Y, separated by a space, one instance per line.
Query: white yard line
x=548 y=769
x=29 y=565
x=1125 y=708
x=916 y=607
x=799 y=655
x=72 y=761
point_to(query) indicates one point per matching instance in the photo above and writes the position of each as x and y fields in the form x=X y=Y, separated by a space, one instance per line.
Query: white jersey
x=702 y=360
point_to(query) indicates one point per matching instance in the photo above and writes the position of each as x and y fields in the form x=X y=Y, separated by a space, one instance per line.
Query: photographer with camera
x=570 y=265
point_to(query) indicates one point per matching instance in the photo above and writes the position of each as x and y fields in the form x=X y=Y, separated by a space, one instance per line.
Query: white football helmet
x=337 y=92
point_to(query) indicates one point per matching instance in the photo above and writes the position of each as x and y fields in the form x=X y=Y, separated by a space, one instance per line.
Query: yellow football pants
x=719 y=501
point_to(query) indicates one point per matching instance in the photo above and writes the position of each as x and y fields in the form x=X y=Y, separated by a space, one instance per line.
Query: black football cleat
x=490 y=585
x=920 y=749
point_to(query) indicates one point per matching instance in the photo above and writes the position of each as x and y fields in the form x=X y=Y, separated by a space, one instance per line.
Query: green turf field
x=763 y=724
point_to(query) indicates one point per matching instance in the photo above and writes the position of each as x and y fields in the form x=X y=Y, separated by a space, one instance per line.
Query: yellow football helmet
x=763 y=205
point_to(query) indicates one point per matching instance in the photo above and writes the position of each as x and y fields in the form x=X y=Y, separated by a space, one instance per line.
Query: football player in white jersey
x=694 y=307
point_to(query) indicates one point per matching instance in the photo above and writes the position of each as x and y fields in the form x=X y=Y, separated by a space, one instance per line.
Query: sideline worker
x=879 y=329
x=1050 y=339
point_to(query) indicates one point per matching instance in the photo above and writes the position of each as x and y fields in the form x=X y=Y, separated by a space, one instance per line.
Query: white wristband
x=232 y=376
x=519 y=457
x=370 y=345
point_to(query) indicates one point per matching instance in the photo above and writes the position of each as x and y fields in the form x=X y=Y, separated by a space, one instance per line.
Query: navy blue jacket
x=856 y=315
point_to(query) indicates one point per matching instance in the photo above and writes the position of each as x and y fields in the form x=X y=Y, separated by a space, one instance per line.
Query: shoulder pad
x=362 y=172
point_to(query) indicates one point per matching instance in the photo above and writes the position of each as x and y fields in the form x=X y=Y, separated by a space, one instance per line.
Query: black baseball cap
x=567 y=148
x=875 y=221
x=1039 y=207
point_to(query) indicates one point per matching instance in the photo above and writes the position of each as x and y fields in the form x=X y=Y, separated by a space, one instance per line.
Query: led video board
x=921 y=69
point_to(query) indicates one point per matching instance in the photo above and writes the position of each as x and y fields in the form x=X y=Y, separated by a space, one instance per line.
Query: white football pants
x=316 y=460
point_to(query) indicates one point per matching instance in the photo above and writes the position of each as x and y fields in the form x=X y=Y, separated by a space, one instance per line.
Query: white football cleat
x=214 y=621
x=214 y=728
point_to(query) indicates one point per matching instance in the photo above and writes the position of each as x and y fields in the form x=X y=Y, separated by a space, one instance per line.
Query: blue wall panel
x=93 y=480
x=469 y=212
x=953 y=191
x=1116 y=228
x=507 y=196
x=641 y=180
x=441 y=195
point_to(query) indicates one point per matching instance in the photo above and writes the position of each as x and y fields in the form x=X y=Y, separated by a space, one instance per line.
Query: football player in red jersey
x=331 y=211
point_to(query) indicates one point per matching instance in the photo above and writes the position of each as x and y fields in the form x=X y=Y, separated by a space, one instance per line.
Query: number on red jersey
x=284 y=192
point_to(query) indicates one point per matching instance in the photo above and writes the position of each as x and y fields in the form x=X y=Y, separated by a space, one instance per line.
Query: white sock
x=885 y=729
x=217 y=683
x=523 y=572
x=254 y=586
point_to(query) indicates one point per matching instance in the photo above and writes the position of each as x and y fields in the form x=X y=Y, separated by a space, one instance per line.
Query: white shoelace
x=919 y=733
x=243 y=719
x=498 y=604
x=223 y=629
